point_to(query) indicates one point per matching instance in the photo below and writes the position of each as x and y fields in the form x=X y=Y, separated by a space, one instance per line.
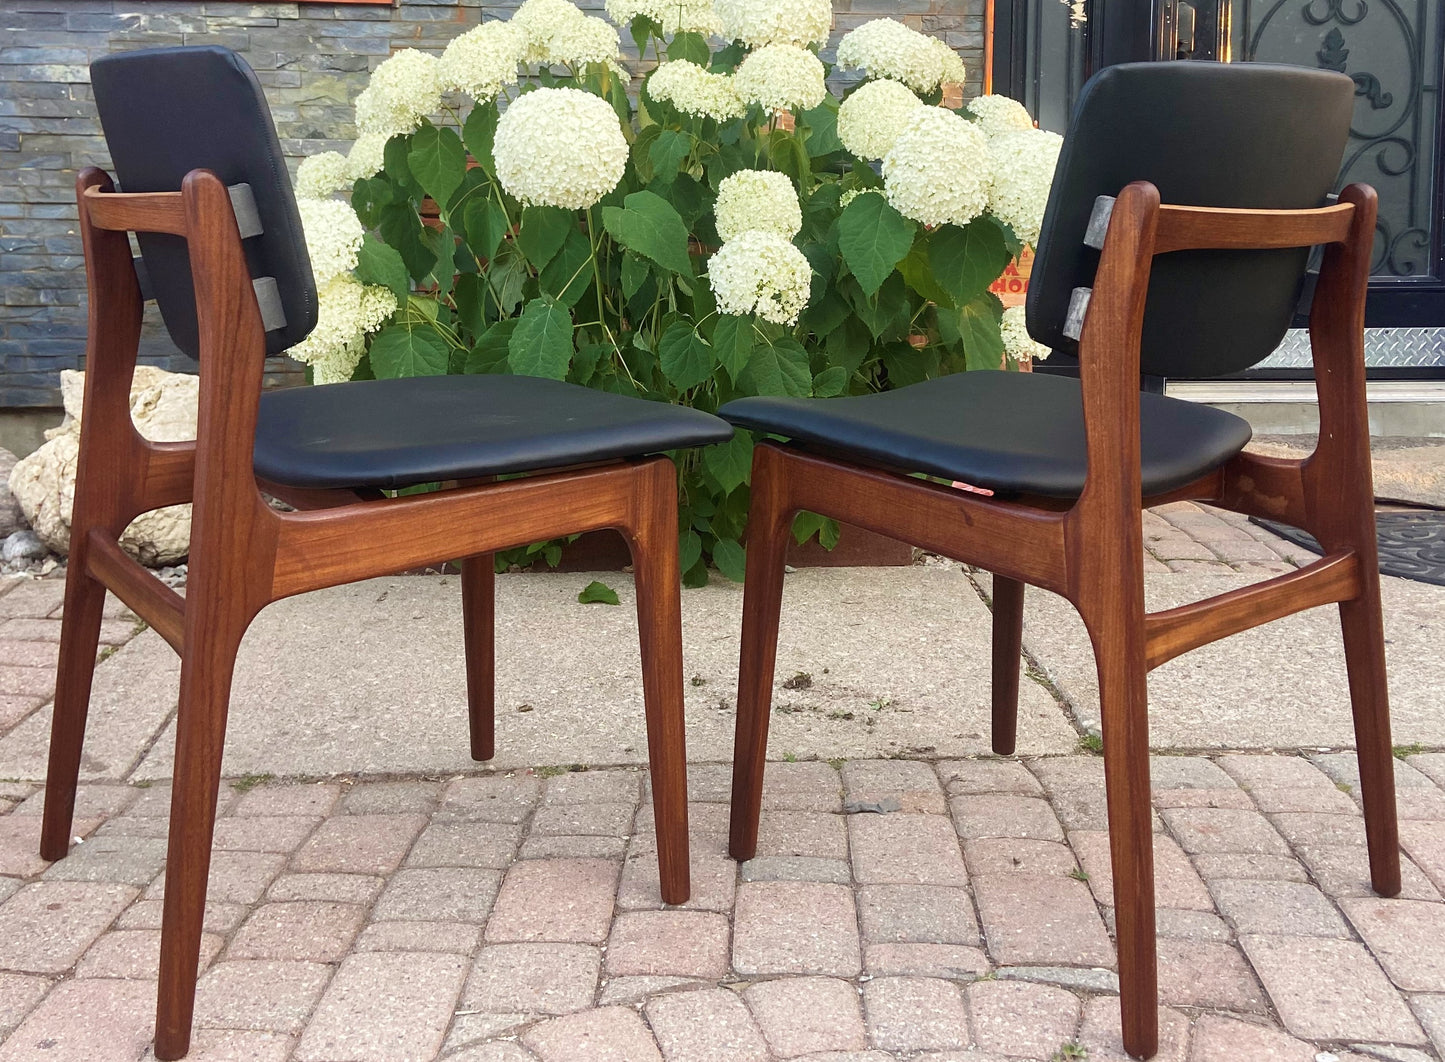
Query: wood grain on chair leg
x=658 y=583
x=1364 y=635
x=1008 y=637
x=79 y=640
x=1339 y=497
x=479 y=622
x=769 y=522
x=1123 y=700
x=206 y=672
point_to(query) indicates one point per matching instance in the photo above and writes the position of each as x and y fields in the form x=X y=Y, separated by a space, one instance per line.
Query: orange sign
x=1013 y=285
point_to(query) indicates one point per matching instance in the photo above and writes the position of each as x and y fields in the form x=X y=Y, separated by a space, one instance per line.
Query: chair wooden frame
x=246 y=554
x=1091 y=551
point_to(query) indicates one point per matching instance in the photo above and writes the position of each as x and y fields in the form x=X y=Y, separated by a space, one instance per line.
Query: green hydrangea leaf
x=649 y=225
x=479 y=132
x=965 y=261
x=486 y=225
x=730 y=463
x=399 y=351
x=731 y=559
x=831 y=382
x=873 y=238
x=686 y=360
x=732 y=343
x=438 y=161
x=378 y=263
x=690 y=46
x=978 y=326
x=542 y=342
x=570 y=271
x=779 y=368
x=491 y=352
x=596 y=593
x=689 y=548
x=667 y=153
x=543 y=231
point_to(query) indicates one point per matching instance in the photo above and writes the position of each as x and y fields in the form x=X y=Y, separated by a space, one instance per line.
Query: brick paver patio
x=949 y=910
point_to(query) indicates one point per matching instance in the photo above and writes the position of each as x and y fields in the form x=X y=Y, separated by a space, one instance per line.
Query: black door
x=1393 y=49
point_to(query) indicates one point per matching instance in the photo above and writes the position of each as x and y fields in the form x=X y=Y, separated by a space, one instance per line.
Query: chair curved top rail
x=136 y=211
x=1188 y=228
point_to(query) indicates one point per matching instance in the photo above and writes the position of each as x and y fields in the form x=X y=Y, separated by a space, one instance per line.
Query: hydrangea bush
x=723 y=226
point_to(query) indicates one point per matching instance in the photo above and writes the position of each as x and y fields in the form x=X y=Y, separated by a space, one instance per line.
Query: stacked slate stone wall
x=311 y=58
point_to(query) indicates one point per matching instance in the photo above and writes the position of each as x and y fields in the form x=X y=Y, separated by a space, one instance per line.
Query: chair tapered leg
x=768 y=529
x=658 y=583
x=1364 y=636
x=1008 y=639
x=479 y=621
x=1123 y=699
x=79 y=639
x=206 y=672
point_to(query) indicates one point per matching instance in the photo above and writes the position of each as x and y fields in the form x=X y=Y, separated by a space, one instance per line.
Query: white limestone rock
x=163 y=407
x=12 y=517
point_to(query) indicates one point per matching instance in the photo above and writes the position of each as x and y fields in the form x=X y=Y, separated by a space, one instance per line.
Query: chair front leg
x=1008 y=640
x=1117 y=635
x=479 y=624
x=207 y=668
x=658 y=582
x=769 y=519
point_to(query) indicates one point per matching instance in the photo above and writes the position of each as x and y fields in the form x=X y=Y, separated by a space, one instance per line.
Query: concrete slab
x=370 y=678
x=1278 y=686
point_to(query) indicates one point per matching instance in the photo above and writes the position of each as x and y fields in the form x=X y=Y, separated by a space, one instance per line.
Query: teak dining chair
x=1220 y=175
x=207 y=193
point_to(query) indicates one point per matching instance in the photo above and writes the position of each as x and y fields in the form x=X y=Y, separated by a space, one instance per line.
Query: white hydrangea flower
x=761 y=273
x=586 y=40
x=760 y=22
x=402 y=91
x=559 y=147
x=674 y=16
x=557 y=32
x=951 y=70
x=346 y=312
x=333 y=236
x=366 y=156
x=764 y=200
x=539 y=21
x=1017 y=343
x=320 y=175
x=853 y=193
x=939 y=169
x=1023 y=171
x=483 y=60
x=869 y=120
x=696 y=91
x=888 y=48
x=996 y=115
x=781 y=77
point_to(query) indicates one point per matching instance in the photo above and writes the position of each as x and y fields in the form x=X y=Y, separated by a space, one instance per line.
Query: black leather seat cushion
x=396 y=433
x=1009 y=431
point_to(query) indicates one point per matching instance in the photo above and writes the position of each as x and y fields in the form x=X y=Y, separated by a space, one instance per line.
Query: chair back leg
x=769 y=521
x=1008 y=642
x=79 y=640
x=1364 y=634
x=479 y=624
x=658 y=581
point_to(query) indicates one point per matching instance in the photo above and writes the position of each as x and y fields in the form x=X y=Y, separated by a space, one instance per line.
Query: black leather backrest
x=1206 y=134
x=168 y=111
